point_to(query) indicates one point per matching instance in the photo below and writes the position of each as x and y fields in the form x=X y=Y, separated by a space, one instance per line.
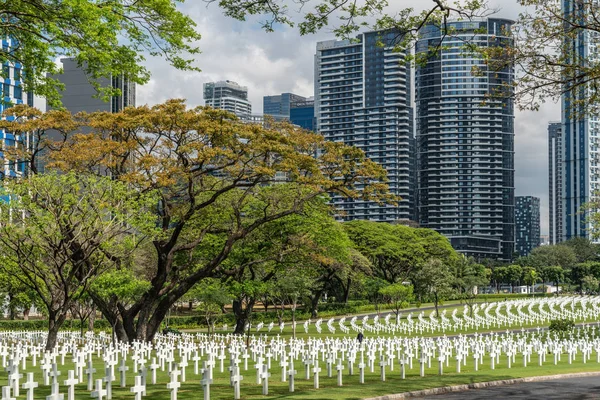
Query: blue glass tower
x=302 y=113
x=279 y=105
x=363 y=98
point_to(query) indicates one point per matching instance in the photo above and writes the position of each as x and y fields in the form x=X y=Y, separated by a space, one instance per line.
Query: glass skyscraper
x=555 y=182
x=12 y=94
x=465 y=139
x=279 y=105
x=527 y=224
x=362 y=98
x=302 y=113
x=581 y=133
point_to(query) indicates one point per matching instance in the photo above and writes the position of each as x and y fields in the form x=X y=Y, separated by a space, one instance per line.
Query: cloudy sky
x=273 y=63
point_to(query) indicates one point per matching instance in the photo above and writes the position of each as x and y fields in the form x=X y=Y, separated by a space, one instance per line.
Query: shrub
x=562 y=326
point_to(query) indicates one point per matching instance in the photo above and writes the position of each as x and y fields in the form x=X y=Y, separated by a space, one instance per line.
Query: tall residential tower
x=527 y=224
x=555 y=182
x=581 y=133
x=465 y=139
x=362 y=98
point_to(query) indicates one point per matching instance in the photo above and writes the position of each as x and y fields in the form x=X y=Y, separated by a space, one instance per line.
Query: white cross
x=153 y=367
x=236 y=378
x=71 y=382
x=122 y=369
x=174 y=385
x=30 y=385
x=90 y=374
x=99 y=393
x=55 y=373
x=205 y=382
x=54 y=394
x=138 y=388
x=6 y=393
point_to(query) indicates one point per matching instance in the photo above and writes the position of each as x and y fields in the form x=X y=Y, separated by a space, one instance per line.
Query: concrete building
x=555 y=182
x=527 y=224
x=229 y=96
x=279 y=105
x=465 y=140
x=581 y=133
x=80 y=95
x=363 y=98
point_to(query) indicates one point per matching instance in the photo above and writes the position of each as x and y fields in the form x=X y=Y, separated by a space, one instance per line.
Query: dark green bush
x=562 y=326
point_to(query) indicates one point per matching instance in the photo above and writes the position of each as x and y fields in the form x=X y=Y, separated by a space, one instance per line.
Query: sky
x=283 y=61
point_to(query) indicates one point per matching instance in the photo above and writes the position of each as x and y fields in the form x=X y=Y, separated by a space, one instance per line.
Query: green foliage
x=562 y=327
x=399 y=295
x=70 y=228
x=120 y=284
x=396 y=251
x=106 y=38
x=434 y=279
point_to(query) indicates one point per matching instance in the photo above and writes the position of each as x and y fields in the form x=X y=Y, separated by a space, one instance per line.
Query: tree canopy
x=217 y=179
x=105 y=37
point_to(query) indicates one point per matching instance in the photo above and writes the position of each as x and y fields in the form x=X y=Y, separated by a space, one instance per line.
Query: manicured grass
x=351 y=388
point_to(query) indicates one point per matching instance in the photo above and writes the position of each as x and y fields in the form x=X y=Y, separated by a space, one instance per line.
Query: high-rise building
x=229 y=96
x=80 y=95
x=302 y=113
x=555 y=181
x=363 y=98
x=279 y=105
x=12 y=94
x=581 y=133
x=527 y=224
x=465 y=139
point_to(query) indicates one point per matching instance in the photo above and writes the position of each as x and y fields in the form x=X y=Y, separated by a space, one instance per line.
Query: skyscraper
x=229 y=96
x=80 y=95
x=465 y=139
x=12 y=94
x=279 y=105
x=527 y=224
x=581 y=133
x=302 y=113
x=555 y=182
x=362 y=98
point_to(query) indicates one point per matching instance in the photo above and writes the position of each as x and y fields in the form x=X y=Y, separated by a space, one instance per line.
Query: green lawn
x=373 y=386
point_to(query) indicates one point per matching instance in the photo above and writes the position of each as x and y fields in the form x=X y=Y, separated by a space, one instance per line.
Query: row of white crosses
x=272 y=358
x=497 y=315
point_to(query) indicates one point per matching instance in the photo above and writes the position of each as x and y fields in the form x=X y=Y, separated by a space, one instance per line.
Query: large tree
x=61 y=231
x=105 y=37
x=216 y=178
x=396 y=251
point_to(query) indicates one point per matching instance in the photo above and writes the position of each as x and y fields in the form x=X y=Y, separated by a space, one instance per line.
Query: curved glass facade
x=465 y=140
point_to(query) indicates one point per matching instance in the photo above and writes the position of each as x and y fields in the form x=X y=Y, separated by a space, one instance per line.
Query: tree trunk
x=314 y=303
x=347 y=291
x=242 y=315
x=55 y=321
x=435 y=299
x=91 y=319
x=26 y=311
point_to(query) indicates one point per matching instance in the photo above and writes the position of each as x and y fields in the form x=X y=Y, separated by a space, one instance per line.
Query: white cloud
x=272 y=63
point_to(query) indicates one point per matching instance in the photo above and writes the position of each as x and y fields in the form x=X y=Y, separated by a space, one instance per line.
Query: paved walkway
x=559 y=389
